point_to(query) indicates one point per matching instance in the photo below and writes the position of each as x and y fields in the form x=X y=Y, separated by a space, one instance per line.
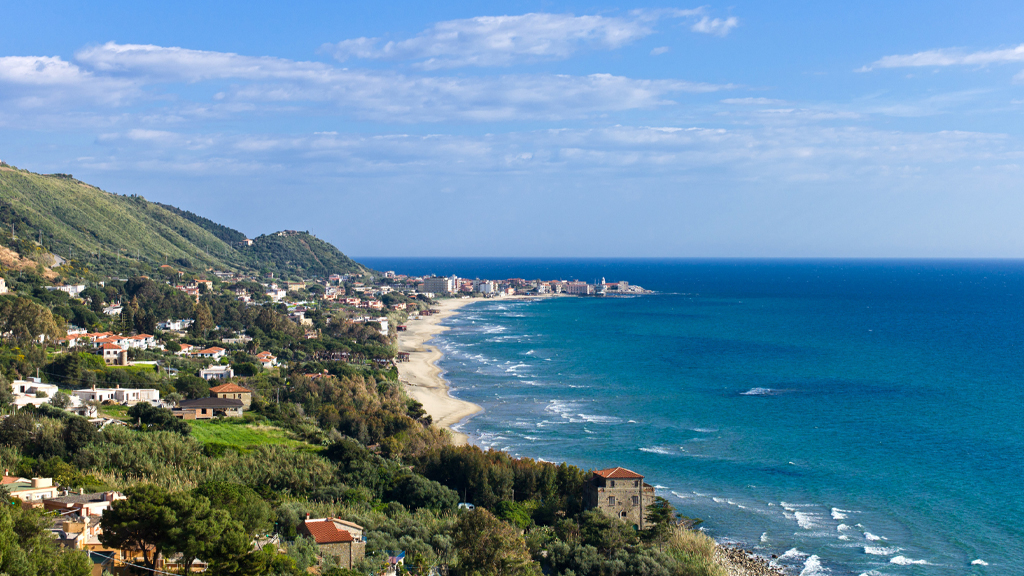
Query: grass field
x=115 y=411
x=242 y=435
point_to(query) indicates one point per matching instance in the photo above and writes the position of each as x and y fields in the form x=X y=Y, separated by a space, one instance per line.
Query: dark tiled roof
x=79 y=498
x=325 y=532
x=617 y=473
x=211 y=403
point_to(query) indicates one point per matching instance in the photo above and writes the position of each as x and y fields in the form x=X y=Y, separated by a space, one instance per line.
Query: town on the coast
x=180 y=398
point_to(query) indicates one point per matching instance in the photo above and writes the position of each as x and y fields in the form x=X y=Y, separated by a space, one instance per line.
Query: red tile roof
x=617 y=473
x=109 y=346
x=325 y=532
x=228 y=388
x=12 y=479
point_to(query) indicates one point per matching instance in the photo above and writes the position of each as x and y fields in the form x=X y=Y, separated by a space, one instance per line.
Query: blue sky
x=783 y=129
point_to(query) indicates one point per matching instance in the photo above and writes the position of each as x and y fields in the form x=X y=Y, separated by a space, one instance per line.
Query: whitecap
x=658 y=450
x=813 y=567
x=764 y=537
x=881 y=550
x=594 y=419
x=660 y=487
x=872 y=537
x=904 y=561
x=680 y=495
x=979 y=562
x=792 y=554
x=705 y=430
x=632 y=422
x=805 y=520
x=758 y=392
x=842 y=527
x=839 y=514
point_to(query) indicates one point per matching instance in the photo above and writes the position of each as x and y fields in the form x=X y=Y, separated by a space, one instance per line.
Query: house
x=335 y=537
x=130 y=396
x=619 y=493
x=267 y=359
x=3 y=286
x=186 y=349
x=32 y=391
x=30 y=492
x=175 y=325
x=246 y=242
x=113 y=310
x=233 y=391
x=72 y=290
x=215 y=352
x=113 y=355
x=206 y=408
x=91 y=504
x=217 y=372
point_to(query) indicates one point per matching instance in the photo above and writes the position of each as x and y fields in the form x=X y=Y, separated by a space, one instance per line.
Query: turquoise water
x=848 y=417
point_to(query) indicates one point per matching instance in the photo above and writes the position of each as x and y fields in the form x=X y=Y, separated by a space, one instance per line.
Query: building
x=3 y=286
x=215 y=352
x=267 y=359
x=440 y=284
x=32 y=391
x=175 y=325
x=233 y=391
x=619 y=493
x=217 y=372
x=580 y=288
x=72 y=290
x=113 y=355
x=29 y=491
x=119 y=395
x=206 y=408
x=336 y=537
x=86 y=504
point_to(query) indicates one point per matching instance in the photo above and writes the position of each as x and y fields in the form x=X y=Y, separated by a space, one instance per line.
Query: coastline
x=422 y=377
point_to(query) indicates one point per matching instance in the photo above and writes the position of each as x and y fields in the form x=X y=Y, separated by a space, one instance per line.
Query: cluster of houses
x=446 y=285
x=77 y=523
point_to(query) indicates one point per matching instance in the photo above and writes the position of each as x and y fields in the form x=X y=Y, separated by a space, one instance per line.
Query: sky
x=748 y=129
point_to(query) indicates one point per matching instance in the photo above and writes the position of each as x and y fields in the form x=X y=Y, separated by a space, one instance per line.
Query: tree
x=202 y=320
x=192 y=386
x=242 y=502
x=197 y=529
x=60 y=400
x=489 y=547
x=141 y=522
x=22 y=321
x=158 y=419
x=660 y=515
x=27 y=547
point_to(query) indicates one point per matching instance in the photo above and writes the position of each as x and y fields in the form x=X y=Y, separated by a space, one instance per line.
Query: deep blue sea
x=851 y=417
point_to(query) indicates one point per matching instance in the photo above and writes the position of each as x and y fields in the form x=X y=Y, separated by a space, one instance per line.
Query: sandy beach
x=422 y=377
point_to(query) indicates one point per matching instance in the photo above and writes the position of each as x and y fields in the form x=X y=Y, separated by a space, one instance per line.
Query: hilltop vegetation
x=82 y=231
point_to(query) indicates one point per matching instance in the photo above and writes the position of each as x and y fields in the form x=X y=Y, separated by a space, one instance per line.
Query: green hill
x=298 y=254
x=101 y=233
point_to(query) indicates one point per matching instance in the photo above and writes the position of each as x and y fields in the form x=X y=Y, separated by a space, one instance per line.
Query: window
x=636 y=483
x=613 y=484
x=636 y=500
x=611 y=500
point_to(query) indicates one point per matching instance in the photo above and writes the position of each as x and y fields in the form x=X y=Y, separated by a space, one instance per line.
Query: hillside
x=297 y=253
x=108 y=234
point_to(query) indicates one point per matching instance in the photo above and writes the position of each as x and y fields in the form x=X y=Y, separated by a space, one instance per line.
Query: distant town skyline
x=541 y=128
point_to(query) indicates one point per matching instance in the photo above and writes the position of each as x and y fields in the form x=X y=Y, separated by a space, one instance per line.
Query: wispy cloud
x=949 y=57
x=113 y=70
x=716 y=26
x=504 y=40
x=34 y=81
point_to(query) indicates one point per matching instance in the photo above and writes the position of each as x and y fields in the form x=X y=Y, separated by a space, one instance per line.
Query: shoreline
x=421 y=376
x=423 y=382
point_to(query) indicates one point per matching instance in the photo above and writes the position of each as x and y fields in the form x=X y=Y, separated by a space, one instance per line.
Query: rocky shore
x=740 y=562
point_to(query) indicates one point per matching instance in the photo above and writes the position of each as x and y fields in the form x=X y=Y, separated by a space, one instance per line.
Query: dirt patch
x=12 y=259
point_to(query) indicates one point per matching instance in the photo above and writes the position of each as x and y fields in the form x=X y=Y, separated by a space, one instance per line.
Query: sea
x=842 y=417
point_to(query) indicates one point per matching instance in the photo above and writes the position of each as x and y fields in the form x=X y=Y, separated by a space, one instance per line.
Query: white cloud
x=949 y=57
x=35 y=81
x=504 y=40
x=752 y=101
x=385 y=95
x=716 y=26
x=659 y=51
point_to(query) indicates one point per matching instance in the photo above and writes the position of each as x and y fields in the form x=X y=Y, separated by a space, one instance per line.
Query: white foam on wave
x=979 y=562
x=658 y=450
x=881 y=550
x=872 y=537
x=632 y=422
x=813 y=567
x=764 y=537
x=705 y=430
x=842 y=527
x=840 y=514
x=596 y=419
x=758 y=392
x=792 y=554
x=660 y=487
x=680 y=495
x=904 y=561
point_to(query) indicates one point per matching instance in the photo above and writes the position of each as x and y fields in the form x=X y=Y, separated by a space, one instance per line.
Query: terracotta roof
x=325 y=532
x=617 y=473
x=109 y=346
x=228 y=388
x=12 y=479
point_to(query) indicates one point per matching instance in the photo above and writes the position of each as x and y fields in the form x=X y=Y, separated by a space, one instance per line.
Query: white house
x=32 y=391
x=121 y=395
x=72 y=290
x=217 y=372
